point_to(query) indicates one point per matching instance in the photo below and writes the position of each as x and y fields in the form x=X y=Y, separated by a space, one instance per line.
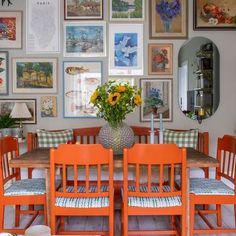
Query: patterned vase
x=116 y=138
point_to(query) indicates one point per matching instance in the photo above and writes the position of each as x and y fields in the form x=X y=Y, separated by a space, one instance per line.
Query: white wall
x=222 y=122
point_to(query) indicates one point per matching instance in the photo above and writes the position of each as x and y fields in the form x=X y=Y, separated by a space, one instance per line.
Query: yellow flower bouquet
x=114 y=101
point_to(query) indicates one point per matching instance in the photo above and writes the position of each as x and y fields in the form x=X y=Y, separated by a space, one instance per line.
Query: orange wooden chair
x=81 y=197
x=154 y=198
x=17 y=191
x=215 y=191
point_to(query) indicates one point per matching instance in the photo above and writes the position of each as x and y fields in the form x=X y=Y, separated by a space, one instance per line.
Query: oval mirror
x=198 y=79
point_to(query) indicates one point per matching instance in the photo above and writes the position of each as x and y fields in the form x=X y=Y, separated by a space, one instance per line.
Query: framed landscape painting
x=126 y=49
x=128 y=10
x=85 y=39
x=81 y=79
x=34 y=75
x=214 y=15
x=160 y=59
x=83 y=9
x=168 y=19
x=11 y=29
x=3 y=73
x=157 y=98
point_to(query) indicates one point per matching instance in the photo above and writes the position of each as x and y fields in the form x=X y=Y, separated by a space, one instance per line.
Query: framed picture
x=157 y=98
x=83 y=10
x=81 y=79
x=168 y=19
x=214 y=15
x=126 y=49
x=160 y=59
x=128 y=10
x=3 y=73
x=85 y=39
x=122 y=80
x=48 y=106
x=11 y=29
x=6 y=106
x=34 y=75
x=42 y=26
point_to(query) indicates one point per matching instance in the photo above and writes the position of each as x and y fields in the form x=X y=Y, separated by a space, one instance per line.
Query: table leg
x=188 y=203
x=47 y=180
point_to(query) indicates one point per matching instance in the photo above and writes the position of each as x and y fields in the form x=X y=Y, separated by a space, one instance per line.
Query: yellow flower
x=121 y=88
x=113 y=98
x=94 y=97
x=137 y=100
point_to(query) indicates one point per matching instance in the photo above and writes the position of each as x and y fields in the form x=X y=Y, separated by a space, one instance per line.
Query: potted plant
x=6 y=123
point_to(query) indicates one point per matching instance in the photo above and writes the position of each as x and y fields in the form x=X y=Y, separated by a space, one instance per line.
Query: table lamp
x=20 y=111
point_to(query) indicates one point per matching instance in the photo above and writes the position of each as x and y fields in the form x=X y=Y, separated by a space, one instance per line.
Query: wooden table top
x=39 y=158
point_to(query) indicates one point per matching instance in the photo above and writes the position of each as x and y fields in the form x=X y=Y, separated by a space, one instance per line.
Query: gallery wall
x=222 y=122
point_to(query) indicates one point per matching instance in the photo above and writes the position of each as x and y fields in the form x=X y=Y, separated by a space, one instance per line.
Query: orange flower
x=137 y=100
x=121 y=88
x=113 y=98
x=94 y=97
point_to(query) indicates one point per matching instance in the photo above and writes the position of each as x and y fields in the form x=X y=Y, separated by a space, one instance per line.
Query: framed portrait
x=3 y=73
x=11 y=29
x=168 y=19
x=42 y=26
x=85 y=39
x=157 y=98
x=34 y=75
x=160 y=59
x=48 y=106
x=128 y=10
x=83 y=10
x=81 y=79
x=126 y=49
x=214 y=15
x=6 y=106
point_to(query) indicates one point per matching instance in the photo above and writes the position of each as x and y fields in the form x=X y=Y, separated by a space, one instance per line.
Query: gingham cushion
x=83 y=202
x=181 y=138
x=201 y=186
x=26 y=187
x=153 y=202
x=53 y=139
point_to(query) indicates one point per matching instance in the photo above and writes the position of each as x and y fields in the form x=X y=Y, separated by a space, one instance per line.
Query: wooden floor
x=89 y=223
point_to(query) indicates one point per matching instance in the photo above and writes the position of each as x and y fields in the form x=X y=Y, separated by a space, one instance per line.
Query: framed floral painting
x=214 y=15
x=48 y=106
x=157 y=98
x=160 y=59
x=168 y=19
x=3 y=73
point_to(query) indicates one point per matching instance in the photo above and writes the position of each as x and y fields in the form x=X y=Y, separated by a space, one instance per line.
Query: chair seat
x=201 y=186
x=26 y=187
x=92 y=202
x=153 y=202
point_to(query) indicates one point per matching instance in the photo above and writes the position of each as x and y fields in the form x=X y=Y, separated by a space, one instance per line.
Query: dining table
x=40 y=158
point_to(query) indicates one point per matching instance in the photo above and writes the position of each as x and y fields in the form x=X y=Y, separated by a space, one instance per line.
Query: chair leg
x=219 y=218
x=235 y=215
x=17 y=215
x=183 y=222
x=2 y=207
x=53 y=224
x=111 y=222
x=192 y=217
x=125 y=223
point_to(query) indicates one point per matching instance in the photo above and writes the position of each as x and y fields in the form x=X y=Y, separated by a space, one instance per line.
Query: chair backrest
x=86 y=135
x=226 y=154
x=9 y=149
x=141 y=134
x=155 y=158
x=80 y=157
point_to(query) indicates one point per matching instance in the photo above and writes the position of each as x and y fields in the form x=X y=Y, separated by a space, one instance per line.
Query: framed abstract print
x=160 y=59
x=168 y=19
x=214 y=15
x=3 y=73
x=81 y=79
x=85 y=39
x=157 y=98
x=83 y=10
x=126 y=49
x=34 y=75
x=11 y=29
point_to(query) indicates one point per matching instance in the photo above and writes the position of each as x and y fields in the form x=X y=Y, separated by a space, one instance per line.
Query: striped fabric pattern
x=201 y=186
x=181 y=138
x=53 y=139
x=92 y=202
x=26 y=187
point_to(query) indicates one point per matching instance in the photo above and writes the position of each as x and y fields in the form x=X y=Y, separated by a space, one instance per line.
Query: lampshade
x=20 y=110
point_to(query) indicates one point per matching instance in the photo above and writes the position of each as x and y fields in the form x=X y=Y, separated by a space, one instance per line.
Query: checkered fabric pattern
x=53 y=139
x=182 y=138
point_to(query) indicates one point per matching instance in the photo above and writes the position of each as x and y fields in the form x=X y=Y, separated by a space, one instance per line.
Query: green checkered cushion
x=181 y=138
x=53 y=138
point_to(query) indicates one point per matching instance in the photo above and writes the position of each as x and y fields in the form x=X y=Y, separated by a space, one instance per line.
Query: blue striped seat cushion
x=26 y=187
x=201 y=186
x=92 y=202
x=153 y=202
